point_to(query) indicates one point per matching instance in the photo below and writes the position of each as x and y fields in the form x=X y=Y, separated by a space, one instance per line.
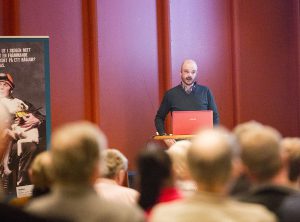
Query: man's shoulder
x=183 y=210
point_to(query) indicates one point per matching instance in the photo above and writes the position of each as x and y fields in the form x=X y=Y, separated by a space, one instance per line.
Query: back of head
x=114 y=161
x=76 y=149
x=40 y=170
x=290 y=147
x=260 y=152
x=242 y=128
x=154 y=168
x=210 y=157
x=178 y=153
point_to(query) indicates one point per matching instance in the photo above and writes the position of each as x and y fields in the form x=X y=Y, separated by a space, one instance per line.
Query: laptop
x=189 y=122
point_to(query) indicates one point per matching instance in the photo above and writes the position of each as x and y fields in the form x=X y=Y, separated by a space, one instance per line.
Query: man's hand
x=169 y=142
x=30 y=121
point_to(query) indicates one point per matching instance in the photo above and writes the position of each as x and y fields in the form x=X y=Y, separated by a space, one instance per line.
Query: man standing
x=188 y=95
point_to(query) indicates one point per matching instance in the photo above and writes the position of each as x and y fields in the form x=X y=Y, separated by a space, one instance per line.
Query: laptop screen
x=189 y=122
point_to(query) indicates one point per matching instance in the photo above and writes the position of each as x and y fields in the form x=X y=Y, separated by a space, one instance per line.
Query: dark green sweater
x=176 y=99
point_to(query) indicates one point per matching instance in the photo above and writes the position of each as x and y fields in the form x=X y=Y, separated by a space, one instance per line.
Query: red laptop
x=189 y=122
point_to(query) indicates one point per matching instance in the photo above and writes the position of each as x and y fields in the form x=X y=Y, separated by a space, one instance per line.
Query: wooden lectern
x=175 y=137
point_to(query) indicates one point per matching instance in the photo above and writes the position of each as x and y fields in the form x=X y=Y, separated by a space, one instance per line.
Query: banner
x=25 y=92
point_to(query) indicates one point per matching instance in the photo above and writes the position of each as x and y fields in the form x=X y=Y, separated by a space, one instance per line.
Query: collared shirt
x=188 y=88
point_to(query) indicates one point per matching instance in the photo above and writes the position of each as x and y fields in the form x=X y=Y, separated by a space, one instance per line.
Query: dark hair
x=154 y=168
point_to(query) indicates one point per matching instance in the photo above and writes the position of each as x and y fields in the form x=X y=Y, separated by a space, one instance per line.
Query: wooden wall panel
x=267 y=69
x=202 y=30
x=128 y=72
x=62 y=22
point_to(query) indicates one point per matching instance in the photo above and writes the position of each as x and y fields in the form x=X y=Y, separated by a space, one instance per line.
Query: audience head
x=178 y=154
x=260 y=153
x=290 y=148
x=40 y=170
x=115 y=165
x=76 y=153
x=154 y=171
x=242 y=128
x=210 y=158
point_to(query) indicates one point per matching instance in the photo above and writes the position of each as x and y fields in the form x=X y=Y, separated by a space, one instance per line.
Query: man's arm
x=212 y=106
x=161 y=116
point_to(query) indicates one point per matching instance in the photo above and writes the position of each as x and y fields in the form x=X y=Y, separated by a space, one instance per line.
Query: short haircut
x=178 y=153
x=242 y=128
x=290 y=146
x=40 y=169
x=114 y=161
x=210 y=156
x=76 y=151
x=260 y=152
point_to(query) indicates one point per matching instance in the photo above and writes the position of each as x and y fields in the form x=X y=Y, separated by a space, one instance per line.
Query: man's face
x=4 y=89
x=188 y=72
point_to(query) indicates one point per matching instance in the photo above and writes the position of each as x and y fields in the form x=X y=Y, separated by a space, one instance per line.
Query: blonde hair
x=210 y=156
x=114 y=161
x=260 y=152
x=76 y=151
x=178 y=154
x=40 y=170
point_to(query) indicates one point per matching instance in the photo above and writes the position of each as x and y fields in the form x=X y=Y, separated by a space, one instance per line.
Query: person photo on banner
x=26 y=136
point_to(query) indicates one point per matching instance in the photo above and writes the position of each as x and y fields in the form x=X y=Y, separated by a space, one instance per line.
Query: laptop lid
x=189 y=122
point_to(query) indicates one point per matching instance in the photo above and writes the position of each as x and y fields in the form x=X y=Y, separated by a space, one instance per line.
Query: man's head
x=40 y=170
x=188 y=72
x=290 y=148
x=76 y=152
x=115 y=165
x=210 y=158
x=260 y=152
x=6 y=84
x=178 y=153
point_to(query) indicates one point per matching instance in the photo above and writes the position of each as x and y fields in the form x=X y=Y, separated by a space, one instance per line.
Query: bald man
x=187 y=96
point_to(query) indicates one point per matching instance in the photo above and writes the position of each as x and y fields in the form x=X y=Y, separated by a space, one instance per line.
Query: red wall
x=128 y=72
x=61 y=21
x=247 y=52
x=267 y=69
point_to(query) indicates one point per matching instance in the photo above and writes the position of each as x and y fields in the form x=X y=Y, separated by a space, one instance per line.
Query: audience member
x=290 y=148
x=156 y=182
x=243 y=183
x=114 y=173
x=289 y=209
x=210 y=159
x=178 y=154
x=40 y=177
x=76 y=157
x=260 y=152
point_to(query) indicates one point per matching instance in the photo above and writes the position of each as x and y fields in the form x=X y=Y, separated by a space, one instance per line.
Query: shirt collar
x=188 y=89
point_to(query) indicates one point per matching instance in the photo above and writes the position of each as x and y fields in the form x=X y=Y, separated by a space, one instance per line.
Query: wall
x=111 y=61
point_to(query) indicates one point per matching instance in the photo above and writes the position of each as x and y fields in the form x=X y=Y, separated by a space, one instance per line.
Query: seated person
x=183 y=180
x=113 y=176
